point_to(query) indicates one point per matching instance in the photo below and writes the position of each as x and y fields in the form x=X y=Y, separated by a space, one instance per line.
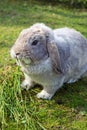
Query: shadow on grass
x=73 y=95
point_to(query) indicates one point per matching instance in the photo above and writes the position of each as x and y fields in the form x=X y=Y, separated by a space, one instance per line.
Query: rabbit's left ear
x=55 y=56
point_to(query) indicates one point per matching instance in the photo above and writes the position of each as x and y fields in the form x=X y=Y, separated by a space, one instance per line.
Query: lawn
x=20 y=109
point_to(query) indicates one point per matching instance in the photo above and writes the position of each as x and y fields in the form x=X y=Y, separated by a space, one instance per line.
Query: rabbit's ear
x=55 y=56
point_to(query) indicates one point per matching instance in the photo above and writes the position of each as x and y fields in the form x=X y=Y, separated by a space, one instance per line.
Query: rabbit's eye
x=34 y=42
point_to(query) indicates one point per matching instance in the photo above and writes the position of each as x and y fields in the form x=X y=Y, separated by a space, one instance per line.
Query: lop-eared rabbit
x=50 y=57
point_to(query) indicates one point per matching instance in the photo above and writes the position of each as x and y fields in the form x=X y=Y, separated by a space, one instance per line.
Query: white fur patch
x=38 y=68
x=13 y=55
x=44 y=95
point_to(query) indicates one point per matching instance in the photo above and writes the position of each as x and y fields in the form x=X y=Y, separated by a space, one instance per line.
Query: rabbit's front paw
x=44 y=95
x=27 y=85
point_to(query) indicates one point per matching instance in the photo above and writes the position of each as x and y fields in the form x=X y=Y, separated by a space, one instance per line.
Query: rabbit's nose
x=17 y=55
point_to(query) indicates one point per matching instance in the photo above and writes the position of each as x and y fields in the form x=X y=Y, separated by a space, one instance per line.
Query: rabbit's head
x=36 y=44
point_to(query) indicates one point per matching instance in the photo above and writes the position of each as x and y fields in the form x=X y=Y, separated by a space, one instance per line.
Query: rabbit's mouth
x=24 y=61
x=21 y=58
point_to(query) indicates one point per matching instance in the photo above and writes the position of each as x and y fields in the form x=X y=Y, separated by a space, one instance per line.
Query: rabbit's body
x=67 y=64
x=75 y=44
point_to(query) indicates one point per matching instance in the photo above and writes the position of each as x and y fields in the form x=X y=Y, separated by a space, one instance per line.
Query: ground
x=20 y=109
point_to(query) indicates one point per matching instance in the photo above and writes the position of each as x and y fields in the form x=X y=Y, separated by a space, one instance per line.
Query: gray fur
x=60 y=57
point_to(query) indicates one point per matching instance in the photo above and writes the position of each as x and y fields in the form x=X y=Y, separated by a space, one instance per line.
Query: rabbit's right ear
x=54 y=55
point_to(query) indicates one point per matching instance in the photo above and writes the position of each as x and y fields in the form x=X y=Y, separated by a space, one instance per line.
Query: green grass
x=19 y=109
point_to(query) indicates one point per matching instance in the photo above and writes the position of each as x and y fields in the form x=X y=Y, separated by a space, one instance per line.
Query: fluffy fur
x=50 y=57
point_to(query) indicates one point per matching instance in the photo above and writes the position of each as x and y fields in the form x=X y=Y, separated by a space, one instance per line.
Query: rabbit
x=50 y=57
